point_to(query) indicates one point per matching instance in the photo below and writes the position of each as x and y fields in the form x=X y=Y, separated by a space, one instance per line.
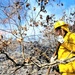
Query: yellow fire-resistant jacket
x=65 y=52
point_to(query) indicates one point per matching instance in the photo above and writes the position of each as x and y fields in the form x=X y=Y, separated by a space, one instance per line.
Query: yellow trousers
x=68 y=74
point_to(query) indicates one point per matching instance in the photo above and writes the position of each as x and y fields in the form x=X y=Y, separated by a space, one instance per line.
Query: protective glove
x=53 y=59
x=60 y=39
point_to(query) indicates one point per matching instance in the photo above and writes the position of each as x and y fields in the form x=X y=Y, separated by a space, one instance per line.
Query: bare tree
x=16 y=17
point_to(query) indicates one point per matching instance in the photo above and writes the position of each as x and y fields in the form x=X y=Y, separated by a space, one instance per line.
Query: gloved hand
x=53 y=58
x=60 y=39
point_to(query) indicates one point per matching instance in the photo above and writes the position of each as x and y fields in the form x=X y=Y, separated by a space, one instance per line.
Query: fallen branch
x=58 y=62
x=15 y=63
x=31 y=60
x=7 y=56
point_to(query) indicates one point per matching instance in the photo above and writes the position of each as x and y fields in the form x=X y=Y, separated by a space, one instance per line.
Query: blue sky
x=52 y=8
x=68 y=3
x=58 y=10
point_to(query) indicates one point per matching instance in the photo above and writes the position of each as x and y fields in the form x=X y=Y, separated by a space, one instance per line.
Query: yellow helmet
x=61 y=24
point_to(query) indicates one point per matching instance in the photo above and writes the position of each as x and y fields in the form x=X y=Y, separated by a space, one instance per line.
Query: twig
x=42 y=53
x=48 y=71
x=9 y=57
x=58 y=62
x=15 y=63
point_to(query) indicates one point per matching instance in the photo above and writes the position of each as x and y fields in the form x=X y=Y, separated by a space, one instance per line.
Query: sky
x=51 y=8
x=58 y=9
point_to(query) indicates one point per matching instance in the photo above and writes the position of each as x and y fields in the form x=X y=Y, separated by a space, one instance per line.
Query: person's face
x=58 y=31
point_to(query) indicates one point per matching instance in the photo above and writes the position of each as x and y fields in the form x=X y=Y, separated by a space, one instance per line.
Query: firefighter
x=66 y=48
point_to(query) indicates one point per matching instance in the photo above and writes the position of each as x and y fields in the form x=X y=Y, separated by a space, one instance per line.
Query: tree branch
x=58 y=62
